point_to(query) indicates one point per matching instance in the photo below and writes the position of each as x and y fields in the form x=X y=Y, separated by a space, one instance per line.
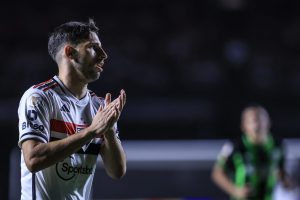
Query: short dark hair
x=72 y=32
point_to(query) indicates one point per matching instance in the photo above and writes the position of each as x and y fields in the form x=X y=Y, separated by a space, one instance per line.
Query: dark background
x=188 y=67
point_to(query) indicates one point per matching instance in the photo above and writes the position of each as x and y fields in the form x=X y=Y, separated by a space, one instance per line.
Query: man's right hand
x=108 y=115
x=242 y=192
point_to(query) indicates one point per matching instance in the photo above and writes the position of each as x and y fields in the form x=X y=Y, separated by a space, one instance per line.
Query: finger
x=119 y=104
x=117 y=112
x=116 y=115
x=111 y=118
x=114 y=112
x=112 y=103
x=109 y=106
x=107 y=99
x=100 y=108
x=121 y=100
x=109 y=103
x=123 y=97
x=108 y=112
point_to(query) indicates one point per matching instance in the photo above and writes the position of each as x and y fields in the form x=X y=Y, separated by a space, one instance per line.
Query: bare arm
x=113 y=156
x=222 y=180
x=112 y=153
x=38 y=155
x=286 y=180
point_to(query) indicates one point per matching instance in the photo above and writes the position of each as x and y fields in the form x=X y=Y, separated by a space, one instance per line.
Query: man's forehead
x=255 y=111
x=94 y=38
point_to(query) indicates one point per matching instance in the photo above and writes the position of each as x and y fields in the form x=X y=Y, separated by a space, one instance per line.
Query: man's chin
x=93 y=77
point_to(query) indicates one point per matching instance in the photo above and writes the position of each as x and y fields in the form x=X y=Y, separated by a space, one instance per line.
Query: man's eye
x=96 y=47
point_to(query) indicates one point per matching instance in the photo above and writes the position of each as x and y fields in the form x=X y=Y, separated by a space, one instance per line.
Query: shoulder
x=38 y=93
x=46 y=85
x=96 y=99
x=231 y=147
x=226 y=149
x=224 y=157
x=42 y=88
x=33 y=94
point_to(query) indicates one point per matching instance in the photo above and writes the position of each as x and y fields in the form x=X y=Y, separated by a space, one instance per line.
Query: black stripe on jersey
x=64 y=108
x=54 y=139
x=36 y=139
x=36 y=134
x=33 y=187
x=46 y=85
x=59 y=85
x=93 y=148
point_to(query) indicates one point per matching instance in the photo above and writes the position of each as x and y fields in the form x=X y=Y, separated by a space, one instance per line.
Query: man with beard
x=63 y=126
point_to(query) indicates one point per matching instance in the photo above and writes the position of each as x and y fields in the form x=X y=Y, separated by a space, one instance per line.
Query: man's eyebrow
x=94 y=43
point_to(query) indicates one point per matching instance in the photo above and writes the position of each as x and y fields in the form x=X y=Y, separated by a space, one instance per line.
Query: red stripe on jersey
x=65 y=127
x=50 y=87
x=45 y=82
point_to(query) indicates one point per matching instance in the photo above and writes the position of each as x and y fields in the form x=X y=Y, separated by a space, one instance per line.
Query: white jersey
x=49 y=112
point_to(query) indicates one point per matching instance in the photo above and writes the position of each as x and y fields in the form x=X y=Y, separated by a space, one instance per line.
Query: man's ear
x=70 y=52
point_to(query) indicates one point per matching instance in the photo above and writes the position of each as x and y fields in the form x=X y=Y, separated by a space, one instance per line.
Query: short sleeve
x=34 y=117
x=224 y=157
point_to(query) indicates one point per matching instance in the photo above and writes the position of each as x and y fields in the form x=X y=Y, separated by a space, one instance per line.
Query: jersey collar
x=268 y=144
x=68 y=93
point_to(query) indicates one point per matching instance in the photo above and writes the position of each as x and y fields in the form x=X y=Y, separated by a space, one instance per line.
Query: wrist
x=234 y=191
x=90 y=133
x=110 y=135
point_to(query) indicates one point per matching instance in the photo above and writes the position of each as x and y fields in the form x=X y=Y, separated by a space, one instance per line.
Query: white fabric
x=48 y=112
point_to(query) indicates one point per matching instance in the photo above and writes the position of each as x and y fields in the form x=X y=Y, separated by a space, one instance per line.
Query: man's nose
x=103 y=54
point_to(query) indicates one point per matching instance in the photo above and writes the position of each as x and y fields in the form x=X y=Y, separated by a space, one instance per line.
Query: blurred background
x=188 y=68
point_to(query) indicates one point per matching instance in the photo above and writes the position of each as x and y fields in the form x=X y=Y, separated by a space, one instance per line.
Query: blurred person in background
x=63 y=126
x=250 y=167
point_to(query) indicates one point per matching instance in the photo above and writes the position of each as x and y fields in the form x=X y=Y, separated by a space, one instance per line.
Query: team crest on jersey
x=34 y=101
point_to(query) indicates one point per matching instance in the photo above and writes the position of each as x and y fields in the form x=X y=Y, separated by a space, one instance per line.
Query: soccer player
x=249 y=168
x=63 y=126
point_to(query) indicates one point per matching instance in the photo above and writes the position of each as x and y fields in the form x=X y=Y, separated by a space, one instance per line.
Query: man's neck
x=258 y=140
x=77 y=88
x=74 y=84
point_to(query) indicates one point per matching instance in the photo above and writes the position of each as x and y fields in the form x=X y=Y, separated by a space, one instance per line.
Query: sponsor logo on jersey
x=66 y=171
x=31 y=115
x=33 y=126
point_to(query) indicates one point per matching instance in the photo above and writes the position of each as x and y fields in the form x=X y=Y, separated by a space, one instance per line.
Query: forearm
x=113 y=156
x=222 y=180
x=42 y=155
